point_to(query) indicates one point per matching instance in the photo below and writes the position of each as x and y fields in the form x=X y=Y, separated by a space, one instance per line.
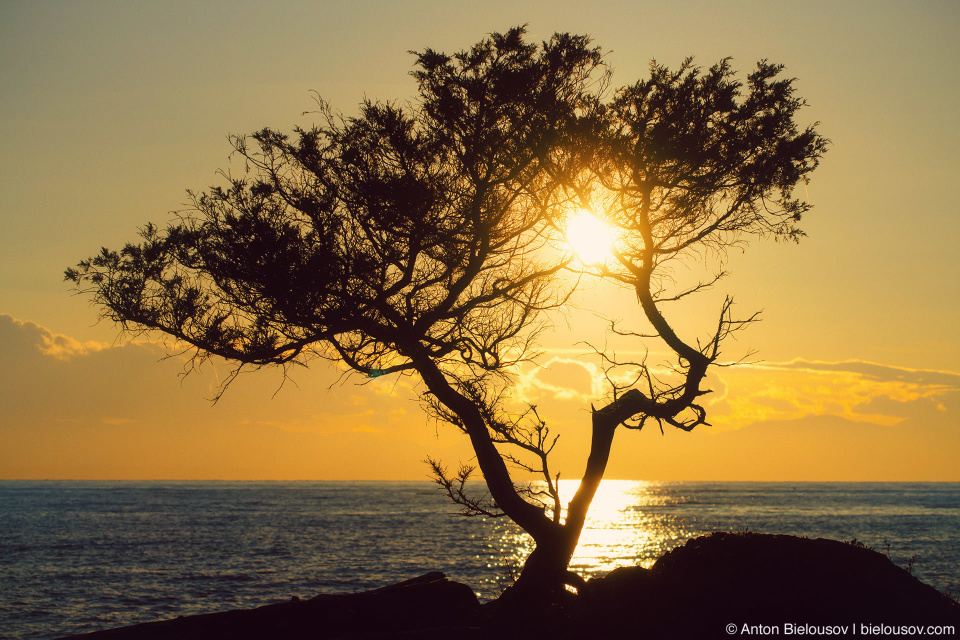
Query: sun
x=589 y=237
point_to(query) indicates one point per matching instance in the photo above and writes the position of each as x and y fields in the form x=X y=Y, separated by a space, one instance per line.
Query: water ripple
x=81 y=556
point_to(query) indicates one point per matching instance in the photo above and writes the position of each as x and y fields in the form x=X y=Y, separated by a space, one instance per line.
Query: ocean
x=82 y=556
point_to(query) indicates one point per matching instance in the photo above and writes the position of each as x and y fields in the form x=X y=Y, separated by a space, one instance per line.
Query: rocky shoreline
x=718 y=586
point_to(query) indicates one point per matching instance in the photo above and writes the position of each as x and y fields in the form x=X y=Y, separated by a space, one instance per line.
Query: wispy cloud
x=855 y=390
x=931 y=379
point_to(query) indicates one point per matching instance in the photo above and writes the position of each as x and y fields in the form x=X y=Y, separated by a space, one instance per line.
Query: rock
x=776 y=583
x=408 y=609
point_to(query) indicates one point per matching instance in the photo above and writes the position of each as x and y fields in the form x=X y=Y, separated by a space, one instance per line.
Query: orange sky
x=109 y=112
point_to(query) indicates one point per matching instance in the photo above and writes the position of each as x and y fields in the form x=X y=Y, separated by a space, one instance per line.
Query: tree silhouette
x=423 y=240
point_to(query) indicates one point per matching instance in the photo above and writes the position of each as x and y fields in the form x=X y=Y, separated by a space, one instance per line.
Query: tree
x=423 y=240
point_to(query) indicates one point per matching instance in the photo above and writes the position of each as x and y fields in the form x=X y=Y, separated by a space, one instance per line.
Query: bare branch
x=455 y=488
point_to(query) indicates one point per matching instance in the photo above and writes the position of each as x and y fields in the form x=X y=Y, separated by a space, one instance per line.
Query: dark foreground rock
x=775 y=585
x=751 y=584
x=411 y=609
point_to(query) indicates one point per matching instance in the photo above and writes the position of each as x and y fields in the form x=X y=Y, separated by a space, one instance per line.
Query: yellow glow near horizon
x=590 y=237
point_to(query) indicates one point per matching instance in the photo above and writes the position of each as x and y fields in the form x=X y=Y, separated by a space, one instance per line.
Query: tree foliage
x=400 y=232
x=689 y=164
x=423 y=238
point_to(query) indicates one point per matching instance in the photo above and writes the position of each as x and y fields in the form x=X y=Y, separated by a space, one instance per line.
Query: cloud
x=928 y=378
x=858 y=391
x=851 y=415
x=855 y=390
x=74 y=410
x=63 y=347
x=23 y=337
x=812 y=448
x=560 y=378
x=126 y=410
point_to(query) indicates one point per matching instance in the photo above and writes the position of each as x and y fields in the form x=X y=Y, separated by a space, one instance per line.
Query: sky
x=110 y=110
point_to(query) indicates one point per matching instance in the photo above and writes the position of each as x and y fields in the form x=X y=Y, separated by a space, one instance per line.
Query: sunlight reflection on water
x=620 y=529
x=634 y=523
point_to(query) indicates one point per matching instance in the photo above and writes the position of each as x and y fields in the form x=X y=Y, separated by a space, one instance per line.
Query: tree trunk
x=544 y=576
x=545 y=571
x=494 y=469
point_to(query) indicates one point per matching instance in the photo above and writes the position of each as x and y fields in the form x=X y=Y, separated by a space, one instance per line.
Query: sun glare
x=589 y=237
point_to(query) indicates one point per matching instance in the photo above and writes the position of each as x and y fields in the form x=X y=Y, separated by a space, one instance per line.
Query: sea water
x=82 y=556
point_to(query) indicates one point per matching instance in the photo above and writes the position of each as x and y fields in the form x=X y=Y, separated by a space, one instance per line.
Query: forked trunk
x=545 y=572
